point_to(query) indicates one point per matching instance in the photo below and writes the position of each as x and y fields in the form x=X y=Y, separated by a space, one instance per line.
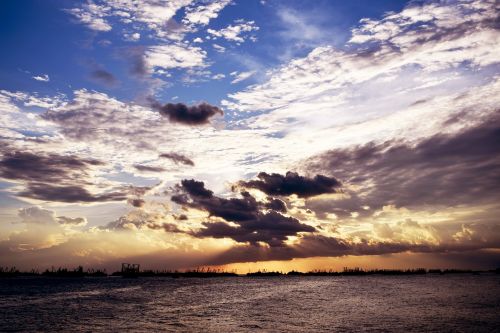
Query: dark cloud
x=178 y=158
x=445 y=169
x=314 y=245
x=76 y=221
x=104 y=77
x=188 y=115
x=292 y=183
x=96 y=117
x=196 y=188
x=53 y=177
x=141 y=219
x=29 y=166
x=168 y=227
x=136 y=202
x=138 y=66
x=68 y=193
x=148 y=168
x=275 y=204
x=255 y=221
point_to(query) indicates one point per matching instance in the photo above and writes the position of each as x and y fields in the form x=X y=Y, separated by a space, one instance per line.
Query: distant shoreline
x=79 y=272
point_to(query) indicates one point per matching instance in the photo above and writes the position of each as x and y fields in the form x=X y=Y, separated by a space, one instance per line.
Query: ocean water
x=429 y=303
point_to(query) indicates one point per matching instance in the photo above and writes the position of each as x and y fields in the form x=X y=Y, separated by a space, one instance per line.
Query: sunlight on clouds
x=399 y=123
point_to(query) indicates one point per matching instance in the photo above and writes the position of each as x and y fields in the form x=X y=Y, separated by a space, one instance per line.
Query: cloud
x=137 y=202
x=178 y=158
x=203 y=13
x=444 y=169
x=53 y=177
x=76 y=221
x=29 y=166
x=311 y=245
x=188 y=115
x=92 y=16
x=427 y=37
x=219 y=76
x=104 y=77
x=134 y=37
x=92 y=115
x=43 y=78
x=156 y=16
x=242 y=76
x=148 y=168
x=36 y=214
x=68 y=193
x=174 y=56
x=292 y=183
x=219 y=48
x=255 y=221
x=39 y=215
x=235 y=33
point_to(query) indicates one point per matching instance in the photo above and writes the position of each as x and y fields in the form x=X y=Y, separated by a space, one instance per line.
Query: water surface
x=429 y=303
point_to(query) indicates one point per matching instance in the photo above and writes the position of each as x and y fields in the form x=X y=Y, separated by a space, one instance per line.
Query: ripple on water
x=429 y=303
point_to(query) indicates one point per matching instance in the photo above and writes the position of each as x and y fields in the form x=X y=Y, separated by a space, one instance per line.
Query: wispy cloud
x=238 y=77
x=42 y=78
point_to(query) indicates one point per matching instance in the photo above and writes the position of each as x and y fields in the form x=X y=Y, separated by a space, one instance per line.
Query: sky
x=249 y=134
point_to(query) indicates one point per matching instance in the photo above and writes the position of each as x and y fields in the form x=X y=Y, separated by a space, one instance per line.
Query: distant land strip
x=79 y=272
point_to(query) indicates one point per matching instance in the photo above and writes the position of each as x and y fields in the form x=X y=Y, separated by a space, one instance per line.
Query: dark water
x=458 y=303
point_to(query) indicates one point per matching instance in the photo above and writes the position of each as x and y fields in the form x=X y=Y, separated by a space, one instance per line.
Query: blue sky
x=222 y=132
x=42 y=37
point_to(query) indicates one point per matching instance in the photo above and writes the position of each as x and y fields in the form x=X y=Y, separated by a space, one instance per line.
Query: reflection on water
x=275 y=304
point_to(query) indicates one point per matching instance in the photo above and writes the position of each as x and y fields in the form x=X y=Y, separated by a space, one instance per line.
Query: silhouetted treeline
x=360 y=271
x=198 y=272
x=53 y=272
x=79 y=272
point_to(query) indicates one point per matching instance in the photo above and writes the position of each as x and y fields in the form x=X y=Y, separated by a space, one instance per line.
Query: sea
x=416 y=303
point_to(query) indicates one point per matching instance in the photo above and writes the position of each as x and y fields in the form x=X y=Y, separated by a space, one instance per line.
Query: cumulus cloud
x=292 y=183
x=174 y=56
x=188 y=115
x=235 y=33
x=36 y=214
x=39 y=215
x=203 y=13
x=254 y=221
x=153 y=15
x=93 y=16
